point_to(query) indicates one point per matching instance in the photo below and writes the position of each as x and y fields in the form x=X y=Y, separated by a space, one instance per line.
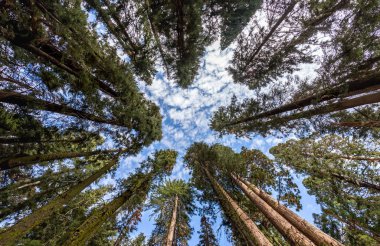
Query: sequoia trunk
x=312 y=232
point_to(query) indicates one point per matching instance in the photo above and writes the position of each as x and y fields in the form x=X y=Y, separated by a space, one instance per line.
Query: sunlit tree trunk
x=312 y=232
x=291 y=233
x=26 y=224
x=253 y=230
x=170 y=237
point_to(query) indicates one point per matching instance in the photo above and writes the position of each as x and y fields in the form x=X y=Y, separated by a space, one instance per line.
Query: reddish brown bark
x=251 y=228
x=291 y=233
x=309 y=230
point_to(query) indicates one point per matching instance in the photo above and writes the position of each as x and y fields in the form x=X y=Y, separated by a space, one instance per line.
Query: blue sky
x=186 y=115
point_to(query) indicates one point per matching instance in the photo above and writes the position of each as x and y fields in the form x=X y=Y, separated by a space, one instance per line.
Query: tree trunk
x=351 y=88
x=9 y=163
x=31 y=140
x=90 y=226
x=26 y=224
x=170 y=237
x=126 y=229
x=39 y=104
x=312 y=232
x=294 y=236
x=55 y=56
x=252 y=229
x=156 y=37
x=353 y=224
x=330 y=108
x=287 y=11
x=370 y=124
x=357 y=182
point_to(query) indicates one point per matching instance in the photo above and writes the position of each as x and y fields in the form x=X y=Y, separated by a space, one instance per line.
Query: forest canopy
x=178 y=122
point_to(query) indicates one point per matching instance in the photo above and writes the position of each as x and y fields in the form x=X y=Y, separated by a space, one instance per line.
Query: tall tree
x=69 y=217
x=96 y=83
x=290 y=27
x=206 y=234
x=301 y=224
x=203 y=163
x=342 y=175
x=43 y=213
x=130 y=27
x=172 y=204
x=180 y=35
x=345 y=79
x=234 y=15
x=136 y=188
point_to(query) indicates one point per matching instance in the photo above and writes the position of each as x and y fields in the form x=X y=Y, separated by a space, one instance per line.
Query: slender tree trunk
x=53 y=55
x=170 y=237
x=330 y=108
x=252 y=229
x=26 y=224
x=283 y=17
x=156 y=37
x=369 y=124
x=90 y=226
x=39 y=104
x=126 y=229
x=357 y=182
x=292 y=234
x=351 y=88
x=352 y=224
x=312 y=232
x=9 y=163
x=30 y=140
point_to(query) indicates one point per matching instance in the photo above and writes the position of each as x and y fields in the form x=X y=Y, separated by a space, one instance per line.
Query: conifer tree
x=99 y=86
x=26 y=224
x=234 y=15
x=200 y=158
x=136 y=188
x=177 y=26
x=130 y=27
x=345 y=79
x=206 y=234
x=342 y=174
x=68 y=218
x=172 y=204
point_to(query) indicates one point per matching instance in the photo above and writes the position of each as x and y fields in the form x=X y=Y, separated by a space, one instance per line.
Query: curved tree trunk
x=26 y=224
x=312 y=232
x=252 y=229
x=170 y=237
x=9 y=163
x=294 y=236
